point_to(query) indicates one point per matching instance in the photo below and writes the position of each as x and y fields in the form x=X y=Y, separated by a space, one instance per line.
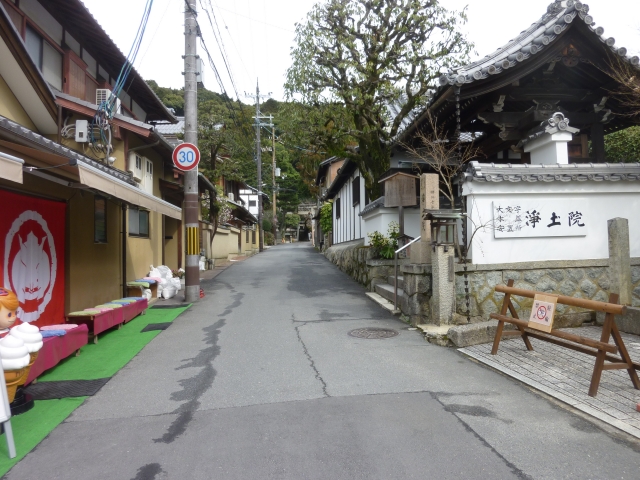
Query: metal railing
x=395 y=278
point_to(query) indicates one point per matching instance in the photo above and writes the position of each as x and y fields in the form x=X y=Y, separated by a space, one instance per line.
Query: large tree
x=368 y=55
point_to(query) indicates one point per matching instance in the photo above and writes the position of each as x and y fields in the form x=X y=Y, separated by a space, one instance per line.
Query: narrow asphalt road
x=261 y=380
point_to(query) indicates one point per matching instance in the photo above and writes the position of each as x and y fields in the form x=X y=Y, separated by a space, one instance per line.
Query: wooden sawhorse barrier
x=602 y=349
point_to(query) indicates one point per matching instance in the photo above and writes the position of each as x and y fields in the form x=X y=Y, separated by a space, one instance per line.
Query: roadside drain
x=373 y=333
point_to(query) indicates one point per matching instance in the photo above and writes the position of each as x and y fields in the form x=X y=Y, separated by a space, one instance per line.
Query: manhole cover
x=373 y=333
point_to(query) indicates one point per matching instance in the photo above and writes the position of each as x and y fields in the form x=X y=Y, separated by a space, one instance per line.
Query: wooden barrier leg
x=503 y=311
x=601 y=355
x=617 y=338
x=523 y=333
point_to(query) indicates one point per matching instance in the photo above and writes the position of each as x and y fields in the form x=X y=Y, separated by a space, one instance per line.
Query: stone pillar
x=443 y=281
x=620 y=259
x=429 y=199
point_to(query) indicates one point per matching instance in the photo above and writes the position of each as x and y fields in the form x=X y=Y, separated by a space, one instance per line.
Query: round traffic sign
x=186 y=156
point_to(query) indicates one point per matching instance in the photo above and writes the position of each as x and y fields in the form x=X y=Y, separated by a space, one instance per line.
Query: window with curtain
x=138 y=223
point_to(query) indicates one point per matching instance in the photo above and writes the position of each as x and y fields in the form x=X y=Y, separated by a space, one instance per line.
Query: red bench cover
x=99 y=322
x=55 y=349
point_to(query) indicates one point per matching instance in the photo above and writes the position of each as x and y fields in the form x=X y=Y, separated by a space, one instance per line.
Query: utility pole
x=259 y=162
x=273 y=178
x=191 y=201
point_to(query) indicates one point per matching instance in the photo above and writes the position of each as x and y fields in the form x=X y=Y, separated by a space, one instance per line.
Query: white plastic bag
x=165 y=272
x=169 y=291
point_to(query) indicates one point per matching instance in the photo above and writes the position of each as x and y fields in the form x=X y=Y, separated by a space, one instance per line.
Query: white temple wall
x=380 y=218
x=597 y=202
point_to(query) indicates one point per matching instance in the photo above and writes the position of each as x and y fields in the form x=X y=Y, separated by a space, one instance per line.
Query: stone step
x=385 y=290
x=400 y=281
x=460 y=336
x=475 y=333
x=383 y=302
x=436 y=334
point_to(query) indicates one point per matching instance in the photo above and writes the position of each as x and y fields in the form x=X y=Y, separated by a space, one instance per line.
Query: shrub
x=269 y=239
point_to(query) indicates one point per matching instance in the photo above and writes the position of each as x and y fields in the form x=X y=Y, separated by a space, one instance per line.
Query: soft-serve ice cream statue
x=8 y=307
x=13 y=352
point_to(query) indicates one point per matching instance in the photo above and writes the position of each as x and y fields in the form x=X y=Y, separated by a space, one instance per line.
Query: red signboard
x=32 y=236
x=186 y=156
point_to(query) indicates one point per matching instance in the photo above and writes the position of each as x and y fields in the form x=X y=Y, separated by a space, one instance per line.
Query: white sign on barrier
x=540 y=218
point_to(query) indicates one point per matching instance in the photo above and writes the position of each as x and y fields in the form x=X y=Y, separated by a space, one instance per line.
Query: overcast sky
x=258 y=34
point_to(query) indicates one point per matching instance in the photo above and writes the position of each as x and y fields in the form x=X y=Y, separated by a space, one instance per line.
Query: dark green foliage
x=623 y=146
x=353 y=58
x=326 y=217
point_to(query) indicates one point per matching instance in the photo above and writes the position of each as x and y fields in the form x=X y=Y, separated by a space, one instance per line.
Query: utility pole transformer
x=191 y=198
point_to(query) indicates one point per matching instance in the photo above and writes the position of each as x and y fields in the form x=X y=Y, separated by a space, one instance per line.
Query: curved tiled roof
x=539 y=36
x=578 y=172
x=35 y=138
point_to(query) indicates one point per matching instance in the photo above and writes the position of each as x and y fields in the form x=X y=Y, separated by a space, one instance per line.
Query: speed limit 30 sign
x=186 y=156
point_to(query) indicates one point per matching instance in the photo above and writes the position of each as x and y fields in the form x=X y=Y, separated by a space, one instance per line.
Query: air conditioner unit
x=230 y=196
x=103 y=95
x=136 y=163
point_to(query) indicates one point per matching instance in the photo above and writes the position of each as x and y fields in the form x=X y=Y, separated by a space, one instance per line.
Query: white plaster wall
x=349 y=226
x=602 y=200
x=380 y=218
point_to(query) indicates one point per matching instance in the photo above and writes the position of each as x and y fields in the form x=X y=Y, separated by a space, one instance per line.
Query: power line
x=254 y=20
x=212 y=64
x=218 y=37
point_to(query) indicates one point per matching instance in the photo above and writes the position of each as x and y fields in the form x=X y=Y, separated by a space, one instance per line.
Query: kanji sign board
x=542 y=312
x=540 y=218
x=186 y=156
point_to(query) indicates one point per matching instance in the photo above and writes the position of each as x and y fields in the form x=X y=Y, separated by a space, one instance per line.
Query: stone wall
x=357 y=261
x=416 y=302
x=582 y=279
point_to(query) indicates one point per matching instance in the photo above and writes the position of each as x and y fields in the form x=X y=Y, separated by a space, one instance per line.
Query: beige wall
x=143 y=252
x=10 y=107
x=333 y=172
x=171 y=229
x=225 y=242
x=95 y=270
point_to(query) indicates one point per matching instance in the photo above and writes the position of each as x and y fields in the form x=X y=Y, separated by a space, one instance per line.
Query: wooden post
x=429 y=200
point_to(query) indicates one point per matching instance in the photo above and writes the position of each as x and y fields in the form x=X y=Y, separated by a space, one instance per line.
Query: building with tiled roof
x=561 y=63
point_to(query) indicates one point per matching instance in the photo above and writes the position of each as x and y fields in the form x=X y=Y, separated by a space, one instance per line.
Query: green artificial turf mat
x=114 y=349
x=30 y=428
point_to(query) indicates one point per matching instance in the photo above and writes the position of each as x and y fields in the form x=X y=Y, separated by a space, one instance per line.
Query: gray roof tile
x=578 y=172
x=536 y=38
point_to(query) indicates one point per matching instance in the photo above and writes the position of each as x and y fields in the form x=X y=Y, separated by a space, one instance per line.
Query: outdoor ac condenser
x=103 y=95
x=135 y=166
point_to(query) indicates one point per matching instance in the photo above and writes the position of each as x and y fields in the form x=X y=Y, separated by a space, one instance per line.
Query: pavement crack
x=454 y=411
x=194 y=387
x=311 y=361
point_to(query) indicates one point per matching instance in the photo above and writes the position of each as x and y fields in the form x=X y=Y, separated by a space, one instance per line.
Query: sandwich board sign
x=542 y=312
x=186 y=156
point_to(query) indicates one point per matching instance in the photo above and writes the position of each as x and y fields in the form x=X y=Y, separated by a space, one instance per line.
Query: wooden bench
x=602 y=350
x=135 y=289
